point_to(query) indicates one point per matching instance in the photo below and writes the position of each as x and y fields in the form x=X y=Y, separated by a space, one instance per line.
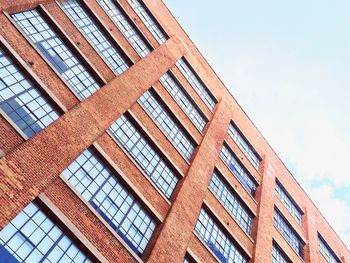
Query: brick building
x=120 y=144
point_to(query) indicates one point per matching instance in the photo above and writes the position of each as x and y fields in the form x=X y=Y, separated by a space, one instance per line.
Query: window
x=217 y=241
x=125 y=27
x=145 y=155
x=148 y=20
x=183 y=100
x=232 y=202
x=108 y=196
x=326 y=251
x=278 y=256
x=22 y=101
x=33 y=237
x=56 y=52
x=196 y=83
x=289 y=233
x=167 y=123
x=189 y=259
x=244 y=145
x=236 y=168
x=288 y=202
x=94 y=34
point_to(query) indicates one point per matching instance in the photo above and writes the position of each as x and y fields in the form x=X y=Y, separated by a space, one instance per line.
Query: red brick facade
x=32 y=167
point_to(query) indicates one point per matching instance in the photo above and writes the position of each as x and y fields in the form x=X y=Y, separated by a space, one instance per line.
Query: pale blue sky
x=288 y=65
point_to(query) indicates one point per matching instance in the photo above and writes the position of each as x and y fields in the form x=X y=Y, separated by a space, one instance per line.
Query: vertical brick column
x=177 y=228
x=311 y=248
x=30 y=168
x=264 y=224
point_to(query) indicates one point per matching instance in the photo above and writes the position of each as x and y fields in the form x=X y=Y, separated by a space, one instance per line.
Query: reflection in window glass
x=244 y=145
x=196 y=83
x=97 y=184
x=148 y=20
x=21 y=101
x=232 y=202
x=97 y=38
x=184 y=100
x=217 y=240
x=125 y=27
x=145 y=155
x=56 y=52
x=32 y=237
x=241 y=174
x=167 y=123
x=288 y=233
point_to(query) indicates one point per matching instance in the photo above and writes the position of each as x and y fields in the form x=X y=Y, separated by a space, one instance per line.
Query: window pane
x=243 y=144
x=97 y=38
x=32 y=237
x=97 y=184
x=217 y=240
x=183 y=100
x=167 y=124
x=143 y=153
x=148 y=20
x=326 y=251
x=288 y=233
x=127 y=29
x=21 y=101
x=278 y=256
x=288 y=202
x=196 y=83
x=230 y=159
x=56 y=52
x=232 y=203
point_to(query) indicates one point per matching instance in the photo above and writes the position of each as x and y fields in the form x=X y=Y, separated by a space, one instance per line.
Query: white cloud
x=336 y=210
x=301 y=109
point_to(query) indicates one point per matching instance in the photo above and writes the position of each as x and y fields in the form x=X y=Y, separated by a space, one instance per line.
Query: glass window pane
x=144 y=154
x=166 y=122
x=244 y=145
x=234 y=165
x=125 y=27
x=148 y=20
x=183 y=100
x=32 y=237
x=22 y=101
x=97 y=38
x=233 y=204
x=196 y=83
x=56 y=52
x=217 y=241
x=101 y=188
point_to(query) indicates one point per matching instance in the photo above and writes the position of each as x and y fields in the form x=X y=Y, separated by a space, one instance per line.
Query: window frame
x=174 y=118
x=224 y=229
x=252 y=149
x=155 y=21
x=189 y=97
x=132 y=23
x=292 y=229
x=281 y=251
x=157 y=148
x=326 y=245
x=297 y=207
x=128 y=185
x=29 y=74
x=58 y=218
x=200 y=80
x=97 y=22
x=238 y=197
x=66 y=40
x=253 y=179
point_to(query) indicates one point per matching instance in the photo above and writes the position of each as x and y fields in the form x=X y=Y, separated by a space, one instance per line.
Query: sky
x=288 y=65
